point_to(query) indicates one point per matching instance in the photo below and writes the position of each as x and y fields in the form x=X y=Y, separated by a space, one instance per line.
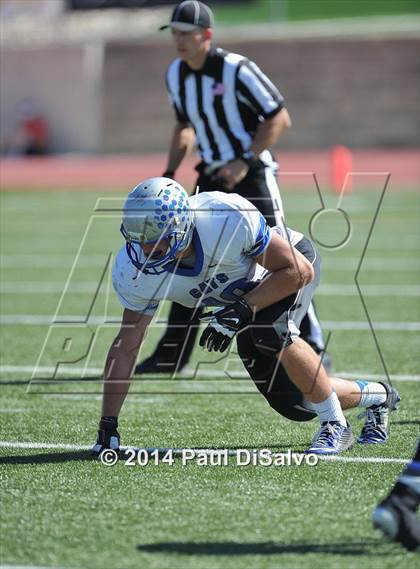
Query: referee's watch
x=250 y=158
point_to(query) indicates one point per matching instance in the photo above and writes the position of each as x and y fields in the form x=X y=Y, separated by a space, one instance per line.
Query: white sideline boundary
x=179 y=451
x=205 y=374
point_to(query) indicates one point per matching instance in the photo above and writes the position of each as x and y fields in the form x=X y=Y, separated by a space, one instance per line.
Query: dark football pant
x=273 y=329
x=260 y=188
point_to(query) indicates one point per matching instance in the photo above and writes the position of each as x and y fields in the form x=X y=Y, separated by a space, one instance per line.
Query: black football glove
x=224 y=323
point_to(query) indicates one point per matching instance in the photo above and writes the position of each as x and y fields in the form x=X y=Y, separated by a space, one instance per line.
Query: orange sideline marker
x=340 y=168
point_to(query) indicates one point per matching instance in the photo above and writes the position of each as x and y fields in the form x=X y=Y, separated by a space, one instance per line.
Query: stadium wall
x=111 y=97
x=357 y=92
x=65 y=82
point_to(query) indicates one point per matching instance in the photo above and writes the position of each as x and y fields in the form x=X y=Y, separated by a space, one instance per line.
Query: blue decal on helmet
x=144 y=223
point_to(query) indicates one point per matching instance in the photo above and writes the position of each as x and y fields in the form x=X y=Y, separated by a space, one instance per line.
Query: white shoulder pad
x=231 y=222
x=127 y=288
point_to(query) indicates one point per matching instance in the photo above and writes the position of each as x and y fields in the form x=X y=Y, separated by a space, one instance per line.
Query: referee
x=226 y=105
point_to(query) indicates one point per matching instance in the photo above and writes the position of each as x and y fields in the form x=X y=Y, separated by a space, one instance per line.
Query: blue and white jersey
x=229 y=233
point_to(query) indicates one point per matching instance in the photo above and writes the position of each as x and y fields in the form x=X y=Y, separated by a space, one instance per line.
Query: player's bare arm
x=182 y=143
x=290 y=271
x=268 y=132
x=121 y=360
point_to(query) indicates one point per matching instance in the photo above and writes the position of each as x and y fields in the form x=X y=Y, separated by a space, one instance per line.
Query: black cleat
x=108 y=437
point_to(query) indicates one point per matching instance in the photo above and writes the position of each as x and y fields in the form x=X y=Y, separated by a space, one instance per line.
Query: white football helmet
x=155 y=209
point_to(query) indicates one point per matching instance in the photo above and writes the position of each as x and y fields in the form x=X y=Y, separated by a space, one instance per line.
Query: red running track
x=111 y=172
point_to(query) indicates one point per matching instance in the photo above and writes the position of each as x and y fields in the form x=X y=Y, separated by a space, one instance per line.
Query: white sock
x=372 y=393
x=328 y=410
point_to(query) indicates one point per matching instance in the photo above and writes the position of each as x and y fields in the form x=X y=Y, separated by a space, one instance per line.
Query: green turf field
x=297 y=10
x=60 y=509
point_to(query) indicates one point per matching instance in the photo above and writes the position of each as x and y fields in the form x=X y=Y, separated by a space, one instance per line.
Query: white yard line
x=376 y=376
x=364 y=325
x=366 y=459
x=50 y=369
x=208 y=374
x=50 y=261
x=368 y=290
x=89 y=287
x=29 y=567
x=90 y=397
x=47 y=320
x=34 y=445
x=40 y=320
x=40 y=287
x=178 y=451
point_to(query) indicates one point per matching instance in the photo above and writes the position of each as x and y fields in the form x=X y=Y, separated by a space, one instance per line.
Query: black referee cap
x=189 y=15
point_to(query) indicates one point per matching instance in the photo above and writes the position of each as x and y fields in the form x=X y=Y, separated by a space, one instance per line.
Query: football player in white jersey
x=216 y=249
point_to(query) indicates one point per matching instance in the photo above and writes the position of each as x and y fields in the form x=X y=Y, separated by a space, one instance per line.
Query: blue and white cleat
x=376 y=427
x=332 y=438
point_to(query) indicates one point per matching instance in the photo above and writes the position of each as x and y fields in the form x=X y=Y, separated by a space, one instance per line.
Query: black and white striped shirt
x=224 y=102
